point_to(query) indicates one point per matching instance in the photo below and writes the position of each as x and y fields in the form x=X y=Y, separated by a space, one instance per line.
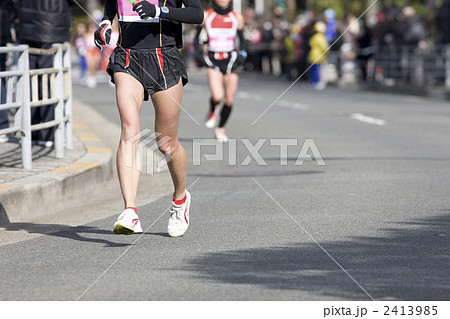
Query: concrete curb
x=43 y=194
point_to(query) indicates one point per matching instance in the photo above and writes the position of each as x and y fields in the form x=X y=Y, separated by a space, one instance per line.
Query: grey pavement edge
x=53 y=183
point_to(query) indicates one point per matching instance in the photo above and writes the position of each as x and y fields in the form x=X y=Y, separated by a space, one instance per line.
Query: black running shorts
x=225 y=62
x=157 y=69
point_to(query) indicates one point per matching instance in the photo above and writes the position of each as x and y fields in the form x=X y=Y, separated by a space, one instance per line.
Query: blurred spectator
x=365 y=50
x=294 y=53
x=81 y=46
x=6 y=15
x=353 y=27
x=307 y=33
x=443 y=23
x=411 y=28
x=354 y=47
x=331 y=22
x=251 y=35
x=290 y=47
x=386 y=30
x=316 y=55
x=93 y=56
x=430 y=20
x=280 y=31
x=335 y=40
x=265 y=53
x=43 y=23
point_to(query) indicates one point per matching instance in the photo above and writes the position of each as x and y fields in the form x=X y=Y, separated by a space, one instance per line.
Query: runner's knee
x=168 y=147
x=217 y=98
x=130 y=130
x=229 y=100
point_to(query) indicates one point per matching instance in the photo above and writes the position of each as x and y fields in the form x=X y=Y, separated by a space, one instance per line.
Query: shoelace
x=176 y=211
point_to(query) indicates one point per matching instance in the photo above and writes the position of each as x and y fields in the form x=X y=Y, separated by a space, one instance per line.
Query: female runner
x=222 y=25
x=147 y=64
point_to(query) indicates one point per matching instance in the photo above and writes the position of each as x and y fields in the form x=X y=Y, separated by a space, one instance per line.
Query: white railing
x=22 y=94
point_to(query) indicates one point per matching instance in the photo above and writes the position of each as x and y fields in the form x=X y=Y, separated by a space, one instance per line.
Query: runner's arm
x=191 y=13
x=110 y=10
x=240 y=32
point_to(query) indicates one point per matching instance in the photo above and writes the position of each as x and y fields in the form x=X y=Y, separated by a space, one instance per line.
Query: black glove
x=103 y=34
x=147 y=10
x=242 y=56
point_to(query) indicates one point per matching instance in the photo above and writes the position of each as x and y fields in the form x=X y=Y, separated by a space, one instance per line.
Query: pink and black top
x=136 y=33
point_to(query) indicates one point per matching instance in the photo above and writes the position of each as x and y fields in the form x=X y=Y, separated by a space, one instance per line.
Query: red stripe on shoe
x=186 y=215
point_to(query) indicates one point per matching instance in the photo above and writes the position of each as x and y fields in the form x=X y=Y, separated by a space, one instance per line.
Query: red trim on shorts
x=127 y=61
x=219 y=55
x=160 y=58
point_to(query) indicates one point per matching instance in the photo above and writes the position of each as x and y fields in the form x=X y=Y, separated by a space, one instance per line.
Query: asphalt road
x=372 y=223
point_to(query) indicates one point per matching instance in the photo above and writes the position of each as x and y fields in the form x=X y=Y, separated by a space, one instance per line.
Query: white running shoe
x=128 y=222
x=179 y=217
x=220 y=134
x=4 y=138
x=211 y=119
x=47 y=144
x=91 y=82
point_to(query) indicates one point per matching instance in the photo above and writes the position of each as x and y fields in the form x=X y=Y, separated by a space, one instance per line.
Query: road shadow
x=161 y=234
x=11 y=154
x=64 y=231
x=408 y=263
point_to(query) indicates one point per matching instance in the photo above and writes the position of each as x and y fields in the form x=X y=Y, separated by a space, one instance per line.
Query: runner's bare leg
x=129 y=96
x=167 y=115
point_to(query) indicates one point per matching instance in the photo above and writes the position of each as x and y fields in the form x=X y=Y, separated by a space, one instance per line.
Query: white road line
x=249 y=96
x=282 y=103
x=293 y=105
x=368 y=119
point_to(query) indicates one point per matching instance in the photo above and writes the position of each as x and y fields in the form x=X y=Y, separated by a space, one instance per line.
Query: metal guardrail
x=413 y=65
x=22 y=94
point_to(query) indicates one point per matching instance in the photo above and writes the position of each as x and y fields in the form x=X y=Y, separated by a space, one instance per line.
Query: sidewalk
x=29 y=194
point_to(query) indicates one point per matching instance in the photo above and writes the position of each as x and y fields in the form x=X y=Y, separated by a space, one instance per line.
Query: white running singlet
x=221 y=30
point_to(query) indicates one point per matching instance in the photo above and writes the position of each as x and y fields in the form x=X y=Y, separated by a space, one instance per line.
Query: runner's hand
x=243 y=54
x=147 y=10
x=241 y=58
x=103 y=34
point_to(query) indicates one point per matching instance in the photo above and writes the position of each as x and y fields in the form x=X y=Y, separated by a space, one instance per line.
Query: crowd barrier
x=27 y=89
x=413 y=65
